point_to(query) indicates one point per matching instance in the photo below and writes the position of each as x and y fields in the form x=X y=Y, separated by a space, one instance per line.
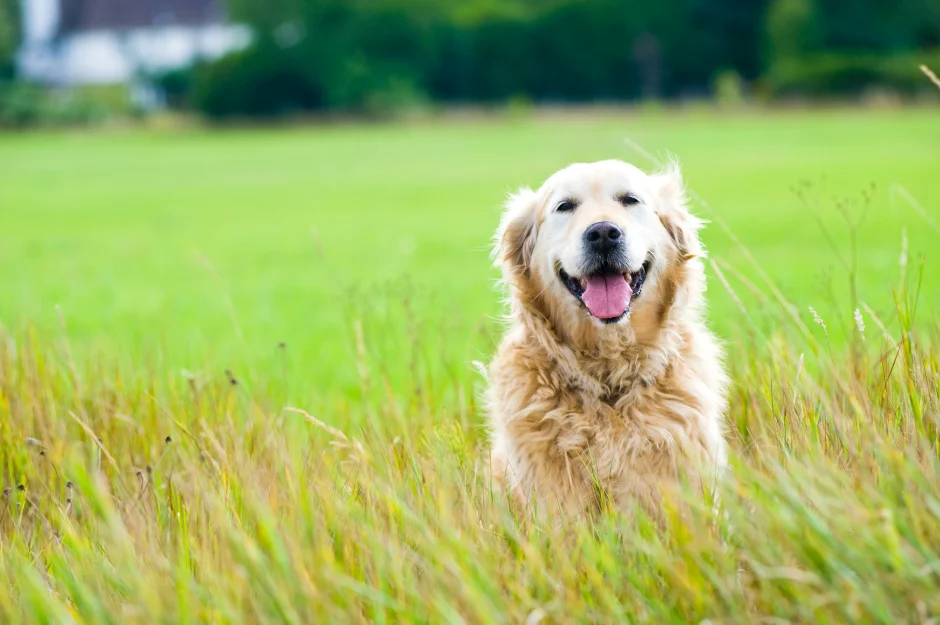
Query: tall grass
x=201 y=503
x=133 y=497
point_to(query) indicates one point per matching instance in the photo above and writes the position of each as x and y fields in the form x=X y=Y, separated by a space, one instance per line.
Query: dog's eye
x=566 y=206
x=628 y=199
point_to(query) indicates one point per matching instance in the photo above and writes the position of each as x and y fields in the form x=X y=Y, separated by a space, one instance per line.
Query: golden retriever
x=607 y=384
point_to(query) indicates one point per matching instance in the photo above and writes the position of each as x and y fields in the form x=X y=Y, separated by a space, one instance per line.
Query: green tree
x=793 y=30
x=10 y=33
x=375 y=55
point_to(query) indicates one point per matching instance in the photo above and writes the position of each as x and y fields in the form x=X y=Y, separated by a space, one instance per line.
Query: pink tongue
x=607 y=297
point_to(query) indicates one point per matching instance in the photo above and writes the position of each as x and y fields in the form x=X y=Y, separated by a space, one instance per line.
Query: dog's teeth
x=583 y=283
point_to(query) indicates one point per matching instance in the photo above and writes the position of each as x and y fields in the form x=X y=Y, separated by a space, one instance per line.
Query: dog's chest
x=625 y=427
x=590 y=420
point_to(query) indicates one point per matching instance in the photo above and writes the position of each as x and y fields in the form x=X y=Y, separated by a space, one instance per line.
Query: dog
x=607 y=387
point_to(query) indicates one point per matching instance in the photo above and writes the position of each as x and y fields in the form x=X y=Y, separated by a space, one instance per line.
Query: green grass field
x=217 y=246
x=344 y=270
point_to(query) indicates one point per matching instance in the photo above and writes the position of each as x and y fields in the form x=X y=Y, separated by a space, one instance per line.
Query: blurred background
x=307 y=189
x=88 y=61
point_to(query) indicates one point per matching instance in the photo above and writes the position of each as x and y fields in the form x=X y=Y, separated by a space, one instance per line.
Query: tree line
x=373 y=56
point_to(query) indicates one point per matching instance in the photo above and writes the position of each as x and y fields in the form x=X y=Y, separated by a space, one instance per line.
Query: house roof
x=82 y=15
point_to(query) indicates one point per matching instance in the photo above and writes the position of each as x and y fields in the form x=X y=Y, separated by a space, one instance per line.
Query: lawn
x=237 y=380
x=207 y=249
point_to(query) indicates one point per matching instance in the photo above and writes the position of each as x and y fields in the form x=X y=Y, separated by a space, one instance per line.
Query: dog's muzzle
x=605 y=284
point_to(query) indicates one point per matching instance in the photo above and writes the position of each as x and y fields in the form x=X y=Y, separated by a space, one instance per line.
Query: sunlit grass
x=131 y=499
x=214 y=407
x=212 y=247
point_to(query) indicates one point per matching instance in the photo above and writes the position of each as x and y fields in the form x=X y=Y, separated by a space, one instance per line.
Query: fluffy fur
x=581 y=411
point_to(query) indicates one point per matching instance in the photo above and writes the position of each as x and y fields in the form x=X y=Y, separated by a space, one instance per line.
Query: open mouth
x=607 y=294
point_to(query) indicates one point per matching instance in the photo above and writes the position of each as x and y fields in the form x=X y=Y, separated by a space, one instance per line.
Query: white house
x=80 y=42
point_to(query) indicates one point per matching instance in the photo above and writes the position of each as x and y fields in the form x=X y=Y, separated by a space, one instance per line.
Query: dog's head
x=600 y=247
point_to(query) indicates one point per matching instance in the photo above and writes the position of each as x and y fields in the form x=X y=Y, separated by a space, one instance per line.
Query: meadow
x=238 y=379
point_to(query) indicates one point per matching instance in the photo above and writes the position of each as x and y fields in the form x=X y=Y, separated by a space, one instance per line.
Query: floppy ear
x=515 y=238
x=674 y=214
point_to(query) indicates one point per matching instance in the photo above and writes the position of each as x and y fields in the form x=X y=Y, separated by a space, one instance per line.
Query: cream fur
x=580 y=411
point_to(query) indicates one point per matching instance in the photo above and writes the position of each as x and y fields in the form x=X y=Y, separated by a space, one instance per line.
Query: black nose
x=602 y=237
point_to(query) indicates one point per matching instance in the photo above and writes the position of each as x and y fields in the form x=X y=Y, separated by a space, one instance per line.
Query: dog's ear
x=515 y=238
x=673 y=212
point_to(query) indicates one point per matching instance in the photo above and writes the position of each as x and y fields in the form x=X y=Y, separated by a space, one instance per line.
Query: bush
x=10 y=37
x=256 y=82
x=20 y=105
x=834 y=74
x=792 y=29
x=176 y=86
x=383 y=56
x=728 y=89
x=274 y=83
x=25 y=105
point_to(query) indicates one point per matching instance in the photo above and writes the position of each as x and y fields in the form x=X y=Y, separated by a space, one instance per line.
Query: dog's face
x=597 y=242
